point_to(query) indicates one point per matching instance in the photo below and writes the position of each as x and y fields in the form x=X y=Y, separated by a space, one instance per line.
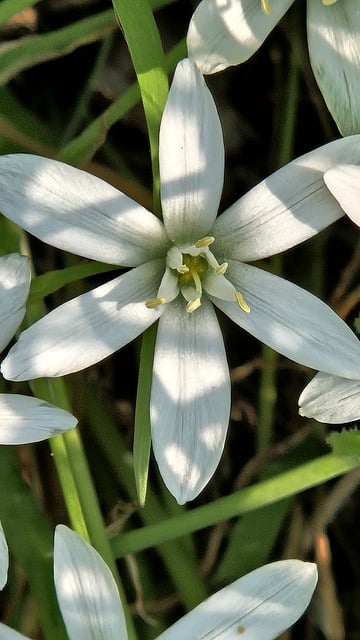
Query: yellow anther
x=204 y=242
x=266 y=7
x=155 y=302
x=182 y=269
x=328 y=3
x=222 y=268
x=193 y=304
x=241 y=302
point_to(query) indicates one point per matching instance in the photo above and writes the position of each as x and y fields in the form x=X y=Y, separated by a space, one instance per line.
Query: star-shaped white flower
x=264 y=603
x=328 y=398
x=223 y=33
x=180 y=267
x=23 y=419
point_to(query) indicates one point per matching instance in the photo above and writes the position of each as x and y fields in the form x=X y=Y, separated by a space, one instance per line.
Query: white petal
x=6 y=633
x=25 y=419
x=262 y=604
x=190 y=398
x=293 y=322
x=88 y=328
x=86 y=590
x=223 y=33
x=344 y=183
x=334 y=48
x=76 y=211
x=14 y=289
x=331 y=399
x=290 y=206
x=191 y=156
x=4 y=558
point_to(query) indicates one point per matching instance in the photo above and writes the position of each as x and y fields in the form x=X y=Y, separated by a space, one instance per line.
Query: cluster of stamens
x=189 y=270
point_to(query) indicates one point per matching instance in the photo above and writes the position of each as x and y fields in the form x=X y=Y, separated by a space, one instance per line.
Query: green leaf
x=282 y=486
x=49 y=282
x=27 y=52
x=143 y=39
x=345 y=443
x=142 y=427
x=82 y=148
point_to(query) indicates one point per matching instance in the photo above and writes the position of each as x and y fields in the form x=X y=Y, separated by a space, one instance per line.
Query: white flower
x=181 y=267
x=23 y=419
x=262 y=604
x=223 y=33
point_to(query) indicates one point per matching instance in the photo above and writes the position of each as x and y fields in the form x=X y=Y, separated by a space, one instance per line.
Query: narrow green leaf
x=82 y=148
x=142 y=427
x=282 y=486
x=26 y=52
x=143 y=39
x=47 y=283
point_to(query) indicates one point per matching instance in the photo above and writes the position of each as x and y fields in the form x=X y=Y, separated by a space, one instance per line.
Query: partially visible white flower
x=181 y=268
x=262 y=604
x=4 y=558
x=223 y=33
x=23 y=419
x=331 y=399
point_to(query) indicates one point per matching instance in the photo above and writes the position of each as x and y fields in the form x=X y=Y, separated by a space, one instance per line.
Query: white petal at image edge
x=24 y=419
x=334 y=49
x=88 y=328
x=262 y=604
x=4 y=558
x=331 y=399
x=279 y=212
x=86 y=590
x=222 y=34
x=344 y=183
x=6 y=633
x=14 y=288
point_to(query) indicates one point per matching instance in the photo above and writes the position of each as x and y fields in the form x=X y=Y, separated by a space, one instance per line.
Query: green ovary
x=196 y=265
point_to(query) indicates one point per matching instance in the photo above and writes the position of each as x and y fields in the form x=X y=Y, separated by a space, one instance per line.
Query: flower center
x=266 y=6
x=191 y=269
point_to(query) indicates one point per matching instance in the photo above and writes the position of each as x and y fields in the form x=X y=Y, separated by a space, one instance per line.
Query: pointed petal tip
x=25 y=419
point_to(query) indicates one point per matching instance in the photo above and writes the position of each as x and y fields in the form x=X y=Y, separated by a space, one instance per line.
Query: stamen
x=222 y=268
x=193 y=304
x=241 y=302
x=155 y=302
x=204 y=242
x=266 y=7
x=183 y=269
